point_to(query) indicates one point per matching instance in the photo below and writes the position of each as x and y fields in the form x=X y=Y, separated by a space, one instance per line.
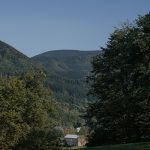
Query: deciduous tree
x=121 y=82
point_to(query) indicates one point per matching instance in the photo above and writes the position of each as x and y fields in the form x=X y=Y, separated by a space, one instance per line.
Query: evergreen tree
x=121 y=82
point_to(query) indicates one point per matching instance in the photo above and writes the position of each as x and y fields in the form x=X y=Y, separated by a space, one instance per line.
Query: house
x=71 y=139
x=74 y=140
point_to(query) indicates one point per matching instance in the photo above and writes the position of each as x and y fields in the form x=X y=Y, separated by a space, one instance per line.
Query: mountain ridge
x=65 y=50
x=69 y=61
x=13 y=61
x=65 y=70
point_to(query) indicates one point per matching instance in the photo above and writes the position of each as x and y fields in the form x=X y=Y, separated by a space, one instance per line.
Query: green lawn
x=138 y=146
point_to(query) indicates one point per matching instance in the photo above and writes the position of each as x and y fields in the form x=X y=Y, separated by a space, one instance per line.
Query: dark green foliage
x=65 y=75
x=67 y=64
x=41 y=139
x=66 y=72
x=12 y=101
x=69 y=116
x=27 y=114
x=121 y=81
x=12 y=61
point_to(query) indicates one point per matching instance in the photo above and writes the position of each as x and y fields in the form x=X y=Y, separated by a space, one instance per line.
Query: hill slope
x=71 y=64
x=66 y=70
x=66 y=73
x=13 y=61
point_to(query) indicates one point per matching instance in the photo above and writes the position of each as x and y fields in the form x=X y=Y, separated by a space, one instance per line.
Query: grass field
x=138 y=146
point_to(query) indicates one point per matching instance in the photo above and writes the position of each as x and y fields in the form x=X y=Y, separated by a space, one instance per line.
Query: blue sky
x=36 y=26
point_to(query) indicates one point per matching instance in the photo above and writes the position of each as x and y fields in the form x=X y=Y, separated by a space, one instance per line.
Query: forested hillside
x=66 y=70
x=13 y=61
x=66 y=73
x=68 y=64
x=65 y=76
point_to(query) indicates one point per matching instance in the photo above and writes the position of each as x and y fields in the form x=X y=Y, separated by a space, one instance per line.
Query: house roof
x=71 y=136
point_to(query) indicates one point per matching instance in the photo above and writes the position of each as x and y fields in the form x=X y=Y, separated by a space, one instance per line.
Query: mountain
x=12 y=61
x=69 y=64
x=66 y=70
x=66 y=73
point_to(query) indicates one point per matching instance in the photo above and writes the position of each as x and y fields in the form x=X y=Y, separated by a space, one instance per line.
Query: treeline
x=28 y=114
x=121 y=82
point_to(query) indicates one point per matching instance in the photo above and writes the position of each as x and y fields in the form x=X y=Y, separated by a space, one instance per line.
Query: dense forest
x=12 y=61
x=66 y=72
x=65 y=75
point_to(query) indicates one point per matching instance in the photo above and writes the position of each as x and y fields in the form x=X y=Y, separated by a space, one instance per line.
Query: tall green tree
x=121 y=82
x=12 y=101
x=27 y=114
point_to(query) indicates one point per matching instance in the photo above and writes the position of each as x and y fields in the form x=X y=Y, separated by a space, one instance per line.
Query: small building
x=71 y=139
x=74 y=140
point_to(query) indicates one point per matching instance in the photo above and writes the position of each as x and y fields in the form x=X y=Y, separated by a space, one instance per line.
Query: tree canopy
x=26 y=114
x=120 y=80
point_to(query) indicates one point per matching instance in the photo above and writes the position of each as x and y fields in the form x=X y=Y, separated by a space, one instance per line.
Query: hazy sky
x=36 y=26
